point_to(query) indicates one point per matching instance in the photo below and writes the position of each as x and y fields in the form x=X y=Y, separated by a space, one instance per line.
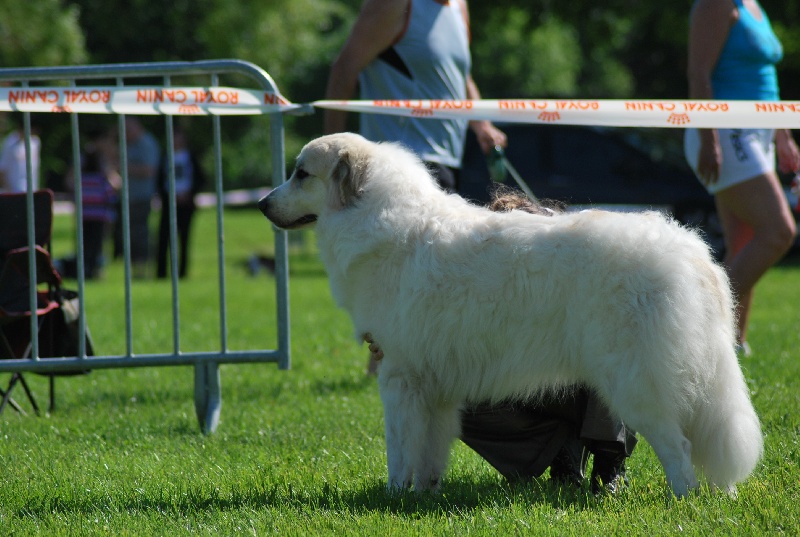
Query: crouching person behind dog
x=521 y=439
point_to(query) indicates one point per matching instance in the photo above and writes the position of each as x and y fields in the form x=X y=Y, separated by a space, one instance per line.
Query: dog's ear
x=349 y=176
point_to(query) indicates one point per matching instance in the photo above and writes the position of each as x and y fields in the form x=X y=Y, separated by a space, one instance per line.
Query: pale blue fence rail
x=207 y=390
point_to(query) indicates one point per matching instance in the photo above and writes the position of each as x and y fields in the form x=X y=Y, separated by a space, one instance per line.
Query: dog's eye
x=300 y=173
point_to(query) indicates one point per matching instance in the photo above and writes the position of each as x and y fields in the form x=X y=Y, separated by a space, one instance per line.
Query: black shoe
x=566 y=469
x=608 y=472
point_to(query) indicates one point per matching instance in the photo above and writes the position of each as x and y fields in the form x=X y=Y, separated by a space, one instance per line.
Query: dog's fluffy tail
x=726 y=433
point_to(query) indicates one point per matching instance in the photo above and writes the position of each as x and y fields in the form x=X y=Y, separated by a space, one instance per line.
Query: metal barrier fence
x=206 y=364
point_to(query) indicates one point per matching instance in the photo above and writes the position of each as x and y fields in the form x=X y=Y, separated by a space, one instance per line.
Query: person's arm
x=488 y=135
x=788 y=152
x=709 y=25
x=377 y=27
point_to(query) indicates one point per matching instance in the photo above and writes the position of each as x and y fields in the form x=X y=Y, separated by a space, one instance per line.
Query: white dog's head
x=329 y=175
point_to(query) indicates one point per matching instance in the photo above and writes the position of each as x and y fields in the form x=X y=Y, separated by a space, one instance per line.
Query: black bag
x=60 y=331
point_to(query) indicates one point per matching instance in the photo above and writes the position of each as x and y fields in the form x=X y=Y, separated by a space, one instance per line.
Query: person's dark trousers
x=601 y=428
x=93 y=235
x=521 y=439
x=184 y=213
x=139 y=213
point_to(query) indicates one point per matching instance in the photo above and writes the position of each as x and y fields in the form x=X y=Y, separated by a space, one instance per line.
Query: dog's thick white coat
x=468 y=304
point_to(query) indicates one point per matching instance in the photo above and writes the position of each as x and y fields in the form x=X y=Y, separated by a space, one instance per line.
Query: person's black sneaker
x=608 y=472
x=566 y=468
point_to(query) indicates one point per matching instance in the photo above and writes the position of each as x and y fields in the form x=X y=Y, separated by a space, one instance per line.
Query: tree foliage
x=142 y=30
x=40 y=33
x=280 y=36
x=535 y=59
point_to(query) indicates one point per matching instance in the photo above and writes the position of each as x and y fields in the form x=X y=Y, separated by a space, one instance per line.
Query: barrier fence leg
x=207 y=395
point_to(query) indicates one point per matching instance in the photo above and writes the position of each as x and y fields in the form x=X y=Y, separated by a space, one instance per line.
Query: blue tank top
x=746 y=66
x=430 y=60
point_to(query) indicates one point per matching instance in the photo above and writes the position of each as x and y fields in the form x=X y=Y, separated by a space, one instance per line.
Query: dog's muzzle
x=265 y=206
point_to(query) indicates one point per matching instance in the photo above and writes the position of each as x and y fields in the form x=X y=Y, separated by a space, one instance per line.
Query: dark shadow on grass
x=455 y=497
x=458 y=496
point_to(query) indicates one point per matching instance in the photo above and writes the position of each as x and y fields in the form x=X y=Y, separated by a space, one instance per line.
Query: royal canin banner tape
x=608 y=113
x=145 y=100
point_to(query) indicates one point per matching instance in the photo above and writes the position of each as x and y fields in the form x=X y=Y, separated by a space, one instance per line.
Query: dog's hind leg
x=432 y=454
x=674 y=451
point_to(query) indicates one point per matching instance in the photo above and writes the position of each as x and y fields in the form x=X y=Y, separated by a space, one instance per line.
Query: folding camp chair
x=54 y=335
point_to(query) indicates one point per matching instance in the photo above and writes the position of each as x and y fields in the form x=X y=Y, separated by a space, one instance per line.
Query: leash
x=499 y=165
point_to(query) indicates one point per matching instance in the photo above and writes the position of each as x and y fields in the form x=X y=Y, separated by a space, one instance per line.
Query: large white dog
x=473 y=305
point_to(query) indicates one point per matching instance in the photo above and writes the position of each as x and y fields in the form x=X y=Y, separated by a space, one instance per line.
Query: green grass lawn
x=301 y=452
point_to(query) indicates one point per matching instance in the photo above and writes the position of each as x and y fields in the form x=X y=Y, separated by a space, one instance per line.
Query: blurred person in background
x=13 y=157
x=189 y=179
x=144 y=158
x=100 y=182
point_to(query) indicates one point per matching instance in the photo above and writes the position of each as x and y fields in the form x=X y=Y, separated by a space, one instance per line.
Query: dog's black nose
x=262 y=204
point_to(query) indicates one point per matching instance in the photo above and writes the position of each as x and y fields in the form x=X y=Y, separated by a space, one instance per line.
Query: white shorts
x=746 y=153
